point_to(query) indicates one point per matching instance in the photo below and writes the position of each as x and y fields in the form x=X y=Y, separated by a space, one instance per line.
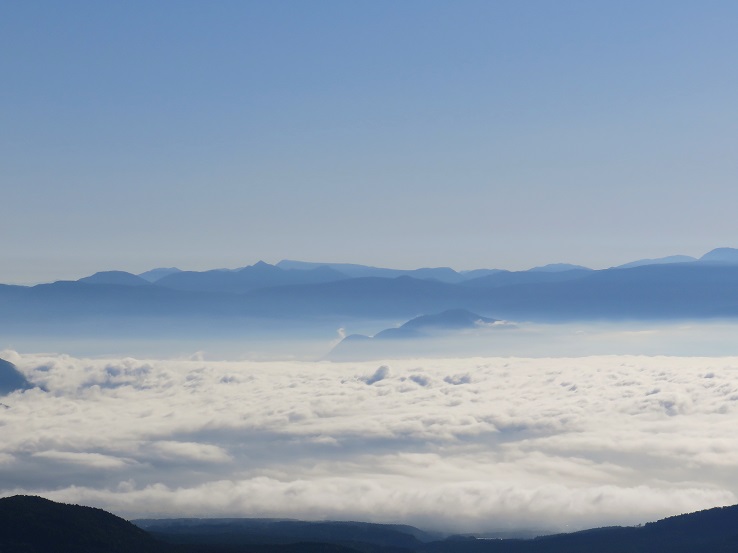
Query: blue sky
x=414 y=133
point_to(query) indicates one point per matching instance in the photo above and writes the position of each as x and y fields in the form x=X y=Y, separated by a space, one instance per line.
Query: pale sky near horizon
x=417 y=133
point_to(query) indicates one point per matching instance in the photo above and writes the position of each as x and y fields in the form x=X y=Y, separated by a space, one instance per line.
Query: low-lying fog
x=472 y=443
x=314 y=340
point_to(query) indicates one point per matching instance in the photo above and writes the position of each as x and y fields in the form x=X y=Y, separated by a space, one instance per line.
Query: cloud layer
x=460 y=444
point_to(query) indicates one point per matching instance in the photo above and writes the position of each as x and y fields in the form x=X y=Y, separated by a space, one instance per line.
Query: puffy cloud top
x=462 y=444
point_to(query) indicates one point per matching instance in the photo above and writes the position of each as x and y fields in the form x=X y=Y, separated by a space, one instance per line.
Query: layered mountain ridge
x=701 y=289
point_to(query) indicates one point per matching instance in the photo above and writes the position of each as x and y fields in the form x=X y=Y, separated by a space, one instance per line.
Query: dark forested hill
x=31 y=524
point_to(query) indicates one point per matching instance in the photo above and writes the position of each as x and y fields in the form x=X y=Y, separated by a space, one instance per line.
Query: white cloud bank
x=460 y=444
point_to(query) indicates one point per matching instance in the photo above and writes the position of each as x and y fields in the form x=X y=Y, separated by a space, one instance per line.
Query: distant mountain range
x=31 y=524
x=442 y=274
x=658 y=289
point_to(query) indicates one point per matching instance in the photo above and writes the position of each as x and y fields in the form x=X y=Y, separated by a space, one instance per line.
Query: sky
x=497 y=134
x=478 y=444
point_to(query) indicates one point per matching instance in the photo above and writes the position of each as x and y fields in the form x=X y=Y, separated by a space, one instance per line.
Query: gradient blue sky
x=415 y=133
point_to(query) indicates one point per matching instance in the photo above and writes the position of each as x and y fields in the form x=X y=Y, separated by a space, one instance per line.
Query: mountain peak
x=261 y=267
x=115 y=277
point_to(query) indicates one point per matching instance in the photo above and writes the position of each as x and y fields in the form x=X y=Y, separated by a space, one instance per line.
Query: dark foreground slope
x=35 y=525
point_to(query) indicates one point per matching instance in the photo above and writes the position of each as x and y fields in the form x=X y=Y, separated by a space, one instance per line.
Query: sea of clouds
x=474 y=444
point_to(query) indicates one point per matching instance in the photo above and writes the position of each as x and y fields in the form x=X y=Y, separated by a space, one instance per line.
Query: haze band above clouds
x=459 y=444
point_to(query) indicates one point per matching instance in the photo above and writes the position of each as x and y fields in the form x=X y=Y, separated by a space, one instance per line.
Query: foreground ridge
x=32 y=524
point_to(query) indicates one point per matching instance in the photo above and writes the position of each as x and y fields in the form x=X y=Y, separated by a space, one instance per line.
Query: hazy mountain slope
x=115 y=277
x=442 y=274
x=658 y=261
x=652 y=291
x=109 y=298
x=260 y=275
x=407 y=338
x=449 y=320
x=155 y=274
x=476 y=273
x=558 y=268
x=509 y=278
x=11 y=379
x=721 y=255
x=365 y=297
